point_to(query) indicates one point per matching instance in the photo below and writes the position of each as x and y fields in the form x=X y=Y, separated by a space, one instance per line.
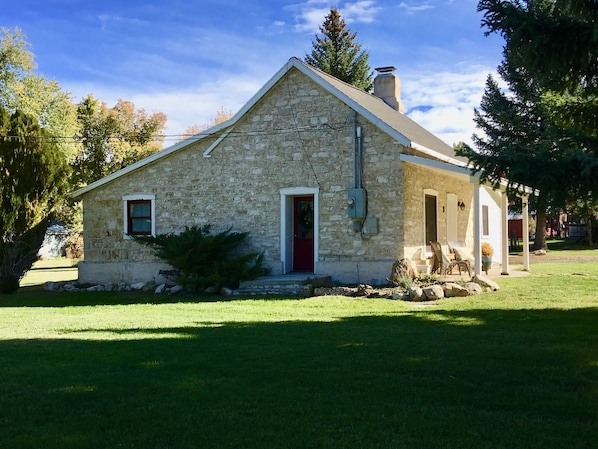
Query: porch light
x=461 y=205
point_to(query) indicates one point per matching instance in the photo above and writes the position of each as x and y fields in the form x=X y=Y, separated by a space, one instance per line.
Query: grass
x=563 y=248
x=513 y=369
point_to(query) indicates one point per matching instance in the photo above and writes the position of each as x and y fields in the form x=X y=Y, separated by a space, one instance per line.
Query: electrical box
x=356 y=203
x=370 y=226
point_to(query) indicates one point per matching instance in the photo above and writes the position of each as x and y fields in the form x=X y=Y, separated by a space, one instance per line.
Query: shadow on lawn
x=36 y=297
x=481 y=378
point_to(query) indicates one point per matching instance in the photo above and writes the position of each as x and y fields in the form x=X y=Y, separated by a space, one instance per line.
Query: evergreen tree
x=34 y=174
x=338 y=54
x=518 y=144
x=557 y=42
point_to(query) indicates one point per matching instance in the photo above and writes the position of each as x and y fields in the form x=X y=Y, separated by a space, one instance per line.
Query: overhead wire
x=181 y=137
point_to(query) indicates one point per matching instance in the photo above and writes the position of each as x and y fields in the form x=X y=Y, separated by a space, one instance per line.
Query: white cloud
x=443 y=102
x=310 y=15
x=412 y=9
x=183 y=108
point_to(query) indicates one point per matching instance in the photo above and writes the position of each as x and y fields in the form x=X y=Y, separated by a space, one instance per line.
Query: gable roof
x=400 y=127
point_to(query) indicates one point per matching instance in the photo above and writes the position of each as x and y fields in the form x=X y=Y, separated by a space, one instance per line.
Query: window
x=485 y=223
x=139 y=217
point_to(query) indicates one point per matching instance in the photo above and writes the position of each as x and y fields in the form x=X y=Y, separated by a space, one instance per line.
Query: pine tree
x=338 y=54
x=518 y=143
x=556 y=41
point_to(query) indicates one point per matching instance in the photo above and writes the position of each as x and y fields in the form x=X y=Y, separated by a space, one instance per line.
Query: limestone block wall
x=421 y=178
x=296 y=136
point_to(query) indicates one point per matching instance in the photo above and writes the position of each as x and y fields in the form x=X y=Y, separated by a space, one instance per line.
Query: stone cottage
x=326 y=178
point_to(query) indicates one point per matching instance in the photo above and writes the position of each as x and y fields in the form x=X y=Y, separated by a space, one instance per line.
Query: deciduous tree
x=24 y=90
x=112 y=138
x=221 y=117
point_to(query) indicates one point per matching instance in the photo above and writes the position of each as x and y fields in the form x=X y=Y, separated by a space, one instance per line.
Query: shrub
x=205 y=259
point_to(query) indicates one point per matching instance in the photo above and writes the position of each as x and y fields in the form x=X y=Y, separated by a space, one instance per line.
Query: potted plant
x=487 y=253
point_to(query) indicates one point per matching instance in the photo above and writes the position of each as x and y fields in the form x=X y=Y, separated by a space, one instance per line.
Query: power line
x=181 y=137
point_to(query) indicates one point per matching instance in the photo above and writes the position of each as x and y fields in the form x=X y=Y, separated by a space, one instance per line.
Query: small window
x=485 y=223
x=139 y=215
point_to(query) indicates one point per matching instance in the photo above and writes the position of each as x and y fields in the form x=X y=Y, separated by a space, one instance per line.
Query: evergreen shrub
x=207 y=260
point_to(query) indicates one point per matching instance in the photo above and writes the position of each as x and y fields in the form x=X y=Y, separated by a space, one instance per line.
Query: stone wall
x=296 y=136
x=420 y=179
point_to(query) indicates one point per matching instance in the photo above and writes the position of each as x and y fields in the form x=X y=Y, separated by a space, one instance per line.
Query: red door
x=303 y=233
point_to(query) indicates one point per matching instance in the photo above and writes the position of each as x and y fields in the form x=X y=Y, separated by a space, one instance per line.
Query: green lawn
x=512 y=369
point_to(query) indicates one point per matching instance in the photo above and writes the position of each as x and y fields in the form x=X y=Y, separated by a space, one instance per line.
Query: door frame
x=431 y=193
x=286 y=224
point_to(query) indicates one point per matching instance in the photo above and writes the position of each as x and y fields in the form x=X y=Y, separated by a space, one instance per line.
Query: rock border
x=442 y=289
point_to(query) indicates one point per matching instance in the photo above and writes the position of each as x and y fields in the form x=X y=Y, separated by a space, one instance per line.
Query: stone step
x=287 y=284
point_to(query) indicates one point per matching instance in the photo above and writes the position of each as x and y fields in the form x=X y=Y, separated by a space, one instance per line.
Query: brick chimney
x=387 y=87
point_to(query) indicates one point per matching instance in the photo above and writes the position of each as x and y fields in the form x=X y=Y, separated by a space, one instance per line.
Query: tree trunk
x=540 y=238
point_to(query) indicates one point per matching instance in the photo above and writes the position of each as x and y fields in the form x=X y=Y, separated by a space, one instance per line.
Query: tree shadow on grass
x=37 y=297
x=463 y=379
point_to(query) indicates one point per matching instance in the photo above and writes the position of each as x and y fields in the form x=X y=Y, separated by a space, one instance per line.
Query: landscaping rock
x=69 y=287
x=137 y=286
x=52 y=286
x=473 y=288
x=416 y=294
x=364 y=290
x=486 y=282
x=433 y=292
x=160 y=289
x=452 y=290
x=401 y=269
x=399 y=295
x=148 y=287
x=176 y=289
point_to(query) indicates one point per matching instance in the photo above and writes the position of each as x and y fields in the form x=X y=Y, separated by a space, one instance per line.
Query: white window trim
x=126 y=199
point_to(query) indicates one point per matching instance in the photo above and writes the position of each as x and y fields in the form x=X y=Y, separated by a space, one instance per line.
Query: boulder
x=473 y=288
x=401 y=269
x=400 y=295
x=160 y=289
x=433 y=292
x=452 y=290
x=364 y=290
x=176 y=289
x=486 y=282
x=416 y=294
x=137 y=285
x=70 y=287
x=52 y=286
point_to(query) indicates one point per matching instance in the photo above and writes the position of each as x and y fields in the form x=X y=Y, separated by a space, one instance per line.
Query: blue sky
x=189 y=58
